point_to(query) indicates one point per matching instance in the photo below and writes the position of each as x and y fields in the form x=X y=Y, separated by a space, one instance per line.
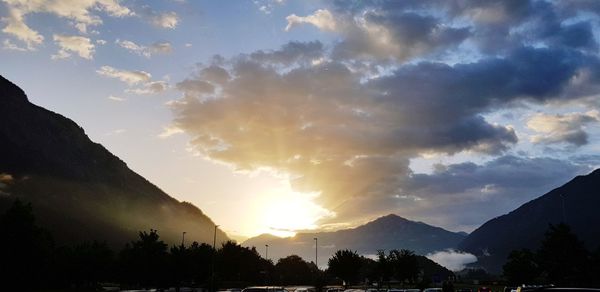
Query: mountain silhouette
x=385 y=233
x=576 y=203
x=78 y=189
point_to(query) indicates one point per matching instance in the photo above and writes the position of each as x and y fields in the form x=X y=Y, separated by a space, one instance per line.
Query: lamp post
x=267 y=252
x=183 y=238
x=316 y=254
x=212 y=275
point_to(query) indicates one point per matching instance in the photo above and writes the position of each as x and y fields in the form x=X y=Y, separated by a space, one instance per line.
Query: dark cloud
x=290 y=53
x=345 y=120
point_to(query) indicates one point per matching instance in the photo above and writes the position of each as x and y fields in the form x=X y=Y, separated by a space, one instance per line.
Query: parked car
x=264 y=289
x=433 y=290
x=484 y=289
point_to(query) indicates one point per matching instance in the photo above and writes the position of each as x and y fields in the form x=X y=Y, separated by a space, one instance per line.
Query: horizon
x=279 y=116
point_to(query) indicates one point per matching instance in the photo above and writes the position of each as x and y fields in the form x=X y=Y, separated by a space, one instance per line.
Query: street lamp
x=267 y=251
x=212 y=275
x=183 y=238
x=316 y=254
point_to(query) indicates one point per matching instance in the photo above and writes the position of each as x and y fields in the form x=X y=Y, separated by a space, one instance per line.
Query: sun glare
x=284 y=212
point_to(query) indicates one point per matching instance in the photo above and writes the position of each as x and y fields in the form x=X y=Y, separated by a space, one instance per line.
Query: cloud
x=267 y=6
x=153 y=87
x=9 y=45
x=81 y=13
x=165 y=20
x=170 y=131
x=482 y=191
x=15 y=25
x=562 y=128
x=452 y=260
x=290 y=53
x=322 y=19
x=127 y=76
x=82 y=46
x=401 y=80
x=146 y=51
x=116 y=98
x=378 y=34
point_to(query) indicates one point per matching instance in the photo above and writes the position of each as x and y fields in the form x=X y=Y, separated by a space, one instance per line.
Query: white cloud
x=170 y=131
x=322 y=19
x=15 y=25
x=82 y=46
x=101 y=42
x=165 y=20
x=9 y=45
x=116 y=98
x=451 y=259
x=153 y=87
x=80 y=12
x=146 y=51
x=130 y=77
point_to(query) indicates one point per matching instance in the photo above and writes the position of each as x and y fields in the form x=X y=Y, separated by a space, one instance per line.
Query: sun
x=284 y=212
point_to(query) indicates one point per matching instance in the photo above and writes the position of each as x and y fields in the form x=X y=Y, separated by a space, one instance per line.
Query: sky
x=277 y=116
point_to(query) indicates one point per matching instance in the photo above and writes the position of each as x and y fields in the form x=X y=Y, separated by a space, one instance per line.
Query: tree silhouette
x=345 y=264
x=190 y=265
x=404 y=264
x=293 y=270
x=144 y=262
x=25 y=248
x=242 y=266
x=562 y=257
x=521 y=267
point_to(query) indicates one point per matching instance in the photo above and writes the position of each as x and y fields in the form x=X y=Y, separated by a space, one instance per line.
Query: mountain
x=78 y=189
x=388 y=232
x=575 y=203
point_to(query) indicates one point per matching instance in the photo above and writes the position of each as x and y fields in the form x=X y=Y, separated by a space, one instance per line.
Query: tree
x=521 y=267
x=404 y=264
x=345 y=264
x=144 y=262
x=562 y=257
x=25 y=248
x=384 y=266
x=293 y=270
x=85 y=264
x=242 y=265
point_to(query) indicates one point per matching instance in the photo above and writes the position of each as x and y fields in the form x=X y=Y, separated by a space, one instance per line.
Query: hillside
x=525 y=226
x=79 y=190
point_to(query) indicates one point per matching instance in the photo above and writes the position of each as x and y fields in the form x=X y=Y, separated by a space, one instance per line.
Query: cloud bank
x=346 y=119
x=452 y=260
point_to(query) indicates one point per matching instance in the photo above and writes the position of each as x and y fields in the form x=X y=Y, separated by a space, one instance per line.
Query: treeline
x=31 y=260
x=562 y=259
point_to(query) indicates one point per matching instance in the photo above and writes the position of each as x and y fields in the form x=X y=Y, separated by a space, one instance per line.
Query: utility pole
x=212 y=275
x=183 y=238
x=316 y=253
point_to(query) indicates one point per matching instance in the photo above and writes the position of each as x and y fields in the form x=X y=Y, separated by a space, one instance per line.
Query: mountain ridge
x=574 y=203
x=386 y=232
x=77 y=186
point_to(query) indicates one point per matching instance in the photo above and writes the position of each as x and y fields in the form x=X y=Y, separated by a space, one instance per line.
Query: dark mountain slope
x=525 y=226
x=388 y=232
x=79 y=190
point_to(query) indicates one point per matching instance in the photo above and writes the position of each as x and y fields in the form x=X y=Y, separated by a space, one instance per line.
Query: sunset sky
x=278 y=115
